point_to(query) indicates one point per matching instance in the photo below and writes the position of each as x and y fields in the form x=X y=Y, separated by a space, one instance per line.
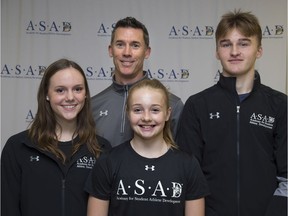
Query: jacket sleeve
x=189 y=131
x=10 y=181
x=278 y=204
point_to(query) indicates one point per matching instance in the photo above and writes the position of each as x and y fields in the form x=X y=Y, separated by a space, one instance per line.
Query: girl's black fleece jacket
x=35 y=183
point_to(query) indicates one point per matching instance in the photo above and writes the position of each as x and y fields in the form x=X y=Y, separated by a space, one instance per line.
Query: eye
x=244 y=44
x=78 y=89
x=137 y=110
x=119 y=45
x=135 y=45
x=225 y=44
x=60 y=90
x=155 y=110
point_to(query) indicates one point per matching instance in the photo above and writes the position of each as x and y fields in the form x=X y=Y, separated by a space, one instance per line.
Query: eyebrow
x=240 y=40
x=140 y=104
x=123 y=41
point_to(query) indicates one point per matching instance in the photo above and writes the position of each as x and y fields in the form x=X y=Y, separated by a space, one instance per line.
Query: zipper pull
x=238 y=109
x=63 y=184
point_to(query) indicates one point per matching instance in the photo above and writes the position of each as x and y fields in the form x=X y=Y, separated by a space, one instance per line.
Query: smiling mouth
x=126 y=63
x=69 y=106
x=147 y=126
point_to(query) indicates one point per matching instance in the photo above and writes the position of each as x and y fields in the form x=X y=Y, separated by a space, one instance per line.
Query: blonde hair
x=157 y=85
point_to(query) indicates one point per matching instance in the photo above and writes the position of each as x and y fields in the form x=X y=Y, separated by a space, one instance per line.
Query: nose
x=127 y=50
x=146 y=116
x=69 y=96
x=235 y=51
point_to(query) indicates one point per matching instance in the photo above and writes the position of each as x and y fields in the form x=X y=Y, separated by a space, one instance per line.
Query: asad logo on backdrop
x=22 y=71
x=274 y=32
x=45 y=27
x=191 y=32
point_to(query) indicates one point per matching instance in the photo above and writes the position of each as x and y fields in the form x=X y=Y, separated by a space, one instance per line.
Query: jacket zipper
x=63 y=197
x=123 y=119
x=63 y=181
x=238 y=159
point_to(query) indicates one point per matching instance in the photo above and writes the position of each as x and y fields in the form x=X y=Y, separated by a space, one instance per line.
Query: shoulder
x=182 y=154
x=120 y=148
x=17 y=140
x=189 y=162
x=273 y=94
x=271 y=99
x=104 y=143
x=204 y=94
x=115 y=155
x=102 y=94
x=174 y=100
x=178 y=158
x=118 y=153
x=19 y=137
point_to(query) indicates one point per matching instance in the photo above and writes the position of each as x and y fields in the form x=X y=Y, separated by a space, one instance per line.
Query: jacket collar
x=120 y=88
x=229 y=83
x=28 y=142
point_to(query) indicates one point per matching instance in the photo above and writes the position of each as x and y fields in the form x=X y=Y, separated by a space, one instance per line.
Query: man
x=238 y=128
x=129 y=47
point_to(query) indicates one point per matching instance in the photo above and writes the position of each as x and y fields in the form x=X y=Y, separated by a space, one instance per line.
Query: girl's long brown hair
x=43 y=128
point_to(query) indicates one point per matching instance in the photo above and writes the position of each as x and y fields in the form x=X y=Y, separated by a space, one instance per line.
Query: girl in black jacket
x=43 y=169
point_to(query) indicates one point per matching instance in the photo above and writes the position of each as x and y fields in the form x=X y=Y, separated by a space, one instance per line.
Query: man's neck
x=127 y=79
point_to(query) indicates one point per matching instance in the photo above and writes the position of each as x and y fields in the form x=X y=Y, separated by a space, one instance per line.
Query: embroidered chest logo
x=103 y=113
x=151 y=168
x=262 y=120
x=34 y=158
x=214 y=115
x=86 y=162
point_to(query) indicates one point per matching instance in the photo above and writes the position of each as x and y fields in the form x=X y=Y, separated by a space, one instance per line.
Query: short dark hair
x=131 y=22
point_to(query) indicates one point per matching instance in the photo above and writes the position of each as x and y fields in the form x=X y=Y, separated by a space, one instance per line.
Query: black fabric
x=241 y=146
x=34 y=183
x=135 y=185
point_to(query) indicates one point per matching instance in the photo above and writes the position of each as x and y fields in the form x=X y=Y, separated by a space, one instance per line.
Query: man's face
x=238 y=53
x=128 y=51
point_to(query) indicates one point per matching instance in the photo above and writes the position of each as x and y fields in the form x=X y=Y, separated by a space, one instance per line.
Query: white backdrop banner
x=36 y=33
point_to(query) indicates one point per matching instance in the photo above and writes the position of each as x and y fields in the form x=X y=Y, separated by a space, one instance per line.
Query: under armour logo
x=152 y=168
x=34 y=158
x=217 y=115
x=101 y=113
